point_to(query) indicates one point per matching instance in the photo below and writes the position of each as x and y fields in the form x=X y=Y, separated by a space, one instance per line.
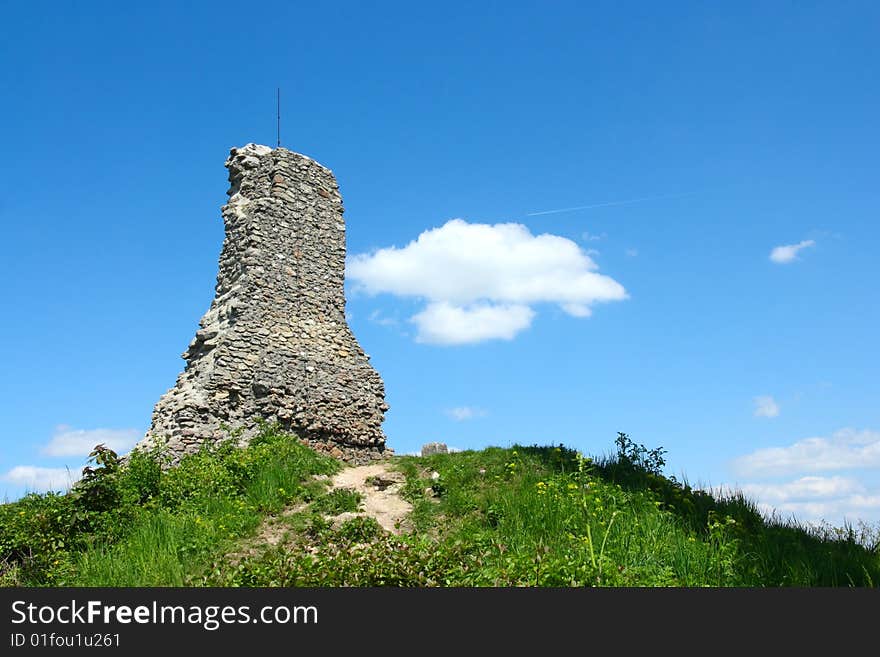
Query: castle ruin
x=275 y=344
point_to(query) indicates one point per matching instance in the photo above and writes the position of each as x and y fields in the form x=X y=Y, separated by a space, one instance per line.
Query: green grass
x=141 y=526
x=543 y=516
x=338 y=501
x=522 y=516
x=157 y=552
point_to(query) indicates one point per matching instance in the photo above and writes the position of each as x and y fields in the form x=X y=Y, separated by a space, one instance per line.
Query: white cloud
x=37 y=479
x=481 y=280
x=462 y=413
x=788 y=253
x=67 y=441
x=845 y=449
x=590 y=237
x=632 y=253
x=836 y=512
x=805 y=488
x=837 y=500
x=766 y=406
x=444 y=323
x=834 y=500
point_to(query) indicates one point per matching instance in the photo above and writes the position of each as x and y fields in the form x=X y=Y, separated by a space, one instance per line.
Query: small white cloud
x=377 y=318
x=446 y=324
x=788 y=253
x=67 y=441
x=805 y=488
x=833 y=500
x=766 y=406
x=632 y=253
x=462 y=413
x=577 y=309
x=845 y=449
x=590 y=237
x=480 y=280
x=836 y=512
x=36 y=479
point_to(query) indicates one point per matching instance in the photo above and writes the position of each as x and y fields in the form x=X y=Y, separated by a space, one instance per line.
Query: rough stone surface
x=275 y=343
x=434 y=448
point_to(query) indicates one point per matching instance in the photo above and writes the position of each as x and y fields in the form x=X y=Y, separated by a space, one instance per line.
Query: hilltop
x=277 y=513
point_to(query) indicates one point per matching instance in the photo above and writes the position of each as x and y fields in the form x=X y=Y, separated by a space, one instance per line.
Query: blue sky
x=728 y=264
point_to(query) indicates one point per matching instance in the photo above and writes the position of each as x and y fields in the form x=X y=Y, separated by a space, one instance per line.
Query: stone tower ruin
x=275 y=343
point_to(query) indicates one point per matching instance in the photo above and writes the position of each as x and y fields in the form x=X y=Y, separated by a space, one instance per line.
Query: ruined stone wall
x=275 y=343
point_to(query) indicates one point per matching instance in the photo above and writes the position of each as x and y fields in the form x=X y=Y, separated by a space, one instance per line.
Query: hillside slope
x=273 y=514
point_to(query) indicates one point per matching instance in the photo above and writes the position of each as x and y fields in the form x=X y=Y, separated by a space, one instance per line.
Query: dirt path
x=379 y=487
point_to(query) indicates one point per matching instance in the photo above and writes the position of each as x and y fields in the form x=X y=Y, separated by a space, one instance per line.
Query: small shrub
x=638 y=456
x=198 y=478
x=36 y=535
x=9 y=574
x=361 y=529
x=98 y=490
x=338 y=500
x=318 y=527
x=140 y=478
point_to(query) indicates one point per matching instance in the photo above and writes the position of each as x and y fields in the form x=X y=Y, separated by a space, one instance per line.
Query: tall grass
x=159 y=551
x=221 y=498
x=139 y=525
x=547 y=516
x=523 y=516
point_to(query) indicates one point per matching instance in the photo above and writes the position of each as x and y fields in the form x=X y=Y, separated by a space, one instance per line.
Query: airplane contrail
x=609 y=203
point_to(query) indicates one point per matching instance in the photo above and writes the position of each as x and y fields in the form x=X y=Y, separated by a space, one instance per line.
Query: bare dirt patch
x=379 y=487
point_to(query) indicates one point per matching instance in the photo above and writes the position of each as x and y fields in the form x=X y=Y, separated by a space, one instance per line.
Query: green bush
x=140 y=478
x=361 y=529
x=199 y=477
x=133 y=522
x=338 y=500
x=98 y=490
x=36 y=535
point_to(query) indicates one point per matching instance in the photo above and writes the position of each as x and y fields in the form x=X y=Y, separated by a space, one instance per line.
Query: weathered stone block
x=434 y=448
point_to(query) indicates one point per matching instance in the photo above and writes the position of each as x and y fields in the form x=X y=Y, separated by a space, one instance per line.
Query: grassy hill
x=524 y=516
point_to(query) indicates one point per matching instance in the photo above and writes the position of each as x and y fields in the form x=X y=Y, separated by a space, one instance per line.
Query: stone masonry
x=275 y=343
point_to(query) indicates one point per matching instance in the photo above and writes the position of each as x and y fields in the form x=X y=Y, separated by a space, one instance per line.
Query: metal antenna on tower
x=278 y=118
